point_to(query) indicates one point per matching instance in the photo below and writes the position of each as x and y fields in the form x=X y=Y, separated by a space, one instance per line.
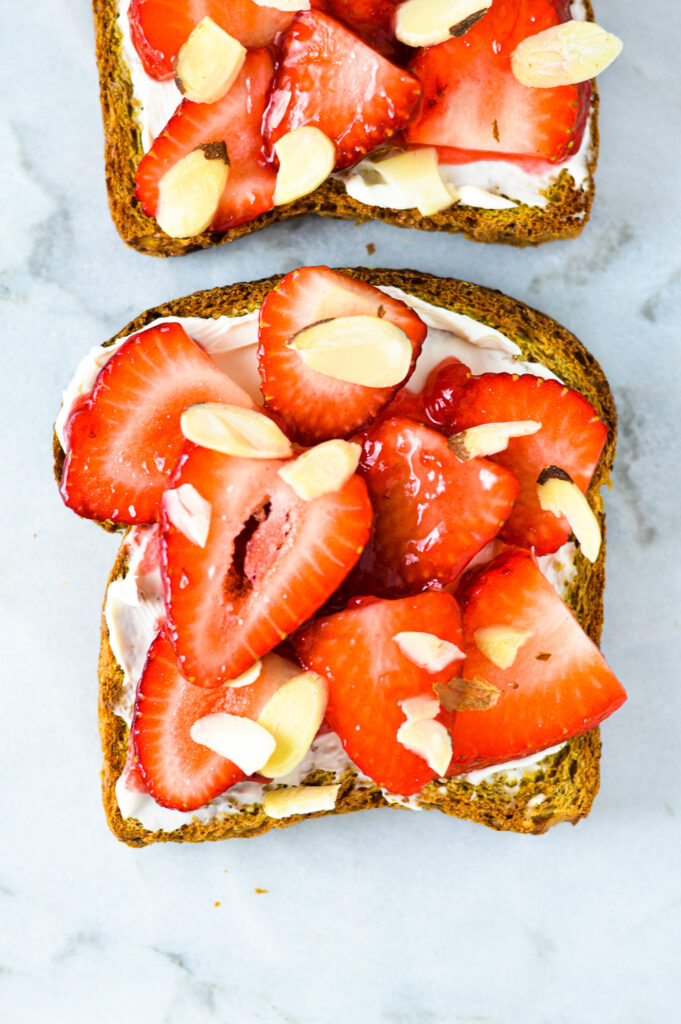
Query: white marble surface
x=388 y=916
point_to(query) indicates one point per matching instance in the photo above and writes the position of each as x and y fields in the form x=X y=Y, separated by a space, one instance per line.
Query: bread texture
x=566 y=213
x=563 y=787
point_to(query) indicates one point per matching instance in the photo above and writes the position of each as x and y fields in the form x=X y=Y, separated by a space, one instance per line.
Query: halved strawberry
x=572 y=437
x=327 y=77
x=372 y=20
x=312 y=406
x=473 y=104
x=160 y=27
x=124 y=439
x=236 y=120
x=368 y=676
x=433 y=511
x=269 y=562
x=178 y=772
x=559 y=684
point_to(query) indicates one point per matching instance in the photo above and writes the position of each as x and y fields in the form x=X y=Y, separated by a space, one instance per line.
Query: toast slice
x=558 y=787
x=565 y=214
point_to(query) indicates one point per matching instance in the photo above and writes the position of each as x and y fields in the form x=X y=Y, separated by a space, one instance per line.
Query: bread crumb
x=217 y=903
x=371 y=248
x=261 y=890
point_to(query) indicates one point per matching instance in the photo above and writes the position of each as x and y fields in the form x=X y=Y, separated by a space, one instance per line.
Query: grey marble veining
x=383 y=917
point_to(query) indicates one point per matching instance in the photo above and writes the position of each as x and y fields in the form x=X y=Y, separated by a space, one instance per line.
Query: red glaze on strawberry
x=368 y=676
x=372 y=20
x=311 y=406
x=270 y=561
x=559 y=684
x=160 y=27
x=178 y=772
x=433 y=513
x=327 y=77
x=474 y=106
x=124 y=441
x=572 y=437
x=236 y=120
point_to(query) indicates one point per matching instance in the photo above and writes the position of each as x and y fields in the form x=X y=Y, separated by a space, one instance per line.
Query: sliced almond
x=368 y=350
x=189 y=193
x=241 y=740
x=428 y=739
x=417 y=175
x=427 y=651
x=323 y=469
x=500 y=644
x=208 y=64
x=427 y=22
x=293 y=716
x=558 y=493
x=233 y=430
x=284 y=803
x=188 y=512
x=306 y=158
x=467 y=694
x=247 y=677
x=285 y=5
x=564 y=55
x=420 y=707
x=489 y=438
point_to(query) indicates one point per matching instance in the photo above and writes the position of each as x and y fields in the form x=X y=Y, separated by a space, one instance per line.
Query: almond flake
x=367 y=350
x=293 y=716
x=428 y=22
x=500 y=644
x=489 y=438
x=427 y=651
x=565 y=54
x=247 y=677
x=417 y=176
x=241 y=740
x=208 y=64
x=428 y=739
x=284 y=5
x=188 y=512
x=284 y=803
x=467 y=694
x=233 y=430
x=558 y=493
x=421 y=707
x=323 y=469
x=306 y=158
x=189 y=193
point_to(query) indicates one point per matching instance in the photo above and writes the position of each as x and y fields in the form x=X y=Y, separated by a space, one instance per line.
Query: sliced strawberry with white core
x=124 y=441
x=270 y=561
x=558 y=684
x=313 y=406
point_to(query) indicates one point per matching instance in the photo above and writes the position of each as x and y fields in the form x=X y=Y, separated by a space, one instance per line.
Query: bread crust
x=567 y=212
x=569 y=779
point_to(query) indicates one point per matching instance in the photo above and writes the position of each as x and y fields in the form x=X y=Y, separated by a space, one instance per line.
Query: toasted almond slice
x=427 y=22
x=368 y=350
x=430 y=740
x=489 y=438
x=283 y=803
x=500 y=644
x=306 y=158
x=416 y=174
x=558 y=493
x=241 y=740
x=421 y=707
x=230 y=429
x=247 y=677
x=427 y=651
x=208 y=64
x=285 y=5
x=293 y=716
x=188 y=512
x=323 y=469
x=564 y=55
x=189 y=193
x=467 y=694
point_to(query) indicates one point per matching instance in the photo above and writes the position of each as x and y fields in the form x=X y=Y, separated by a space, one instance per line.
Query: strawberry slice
x=269 y=562
x=368 y=676
x=433 y=512
x=327 y=77
x=125 y=438
x=312 y=406
x=571 y=437
x=235 y=120
x=178 y=772
x=559 y=684
x=372 y=20
x=159 y=27
x=473 y=104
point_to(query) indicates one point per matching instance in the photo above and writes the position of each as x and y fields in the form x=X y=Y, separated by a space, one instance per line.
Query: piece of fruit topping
x=159 y=28
x=269 y=561
x=433 y=512
x=124 y=439
x=555 y=683
x=475 y=108
x=313 y=406
x=381 y=702
x=229 y=128
x=327 y=77
x=571 y=438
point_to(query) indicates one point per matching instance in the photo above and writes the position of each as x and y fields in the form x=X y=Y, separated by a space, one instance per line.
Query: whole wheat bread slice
x=564 y=216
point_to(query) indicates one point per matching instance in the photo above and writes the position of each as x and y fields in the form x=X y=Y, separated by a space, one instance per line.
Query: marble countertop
x=388 y=916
